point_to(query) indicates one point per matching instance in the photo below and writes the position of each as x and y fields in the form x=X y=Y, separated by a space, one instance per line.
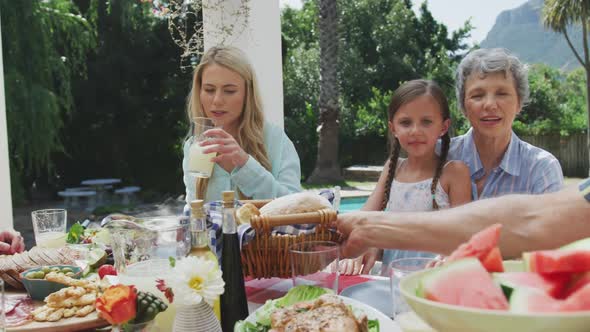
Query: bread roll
x=245 y=213
x=296 y=203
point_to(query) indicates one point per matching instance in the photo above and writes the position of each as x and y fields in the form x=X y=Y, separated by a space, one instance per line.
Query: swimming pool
x=348 y=204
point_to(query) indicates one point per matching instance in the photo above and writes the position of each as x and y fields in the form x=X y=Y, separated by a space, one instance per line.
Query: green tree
x=327 y=166
x=559 y=15
x=383 y=43
x=130 y=118
x=301 y=84
x=573 y=115
x=543 y=112
x=45 y=44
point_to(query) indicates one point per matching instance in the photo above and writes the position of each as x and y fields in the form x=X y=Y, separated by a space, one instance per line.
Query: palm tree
x=327 y=168
x=558 y=15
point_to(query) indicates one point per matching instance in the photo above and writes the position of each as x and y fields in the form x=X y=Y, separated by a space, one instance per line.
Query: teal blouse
x=252 y=179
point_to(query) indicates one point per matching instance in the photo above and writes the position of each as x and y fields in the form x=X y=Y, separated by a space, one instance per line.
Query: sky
x=454 y=13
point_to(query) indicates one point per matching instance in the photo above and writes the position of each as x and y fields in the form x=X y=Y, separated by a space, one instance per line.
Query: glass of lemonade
x=49 y=227
x=142 y=256
x=200 y=163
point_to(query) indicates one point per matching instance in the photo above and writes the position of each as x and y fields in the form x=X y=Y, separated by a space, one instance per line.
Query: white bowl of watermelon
x=475 y=291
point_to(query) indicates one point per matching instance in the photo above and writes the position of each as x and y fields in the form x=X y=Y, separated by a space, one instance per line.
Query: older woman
x=492 y=87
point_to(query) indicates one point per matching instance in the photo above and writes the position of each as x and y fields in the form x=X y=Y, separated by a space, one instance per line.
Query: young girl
x=418 y=116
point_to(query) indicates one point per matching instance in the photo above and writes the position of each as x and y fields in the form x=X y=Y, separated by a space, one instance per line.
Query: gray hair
x=492 y=60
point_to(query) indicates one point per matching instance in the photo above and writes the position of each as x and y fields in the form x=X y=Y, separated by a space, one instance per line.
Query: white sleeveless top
x=407 y=197
x=415 y=196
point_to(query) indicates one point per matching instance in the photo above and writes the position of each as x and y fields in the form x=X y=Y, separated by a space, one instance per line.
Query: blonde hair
x=251 y=127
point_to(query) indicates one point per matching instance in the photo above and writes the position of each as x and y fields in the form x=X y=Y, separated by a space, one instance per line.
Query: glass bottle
x=200 y=241
x=234 y=306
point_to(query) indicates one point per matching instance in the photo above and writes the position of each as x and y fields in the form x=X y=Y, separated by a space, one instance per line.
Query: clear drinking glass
x=49 y=227
x=315 y=263
x=200 y=163
x=400 y=268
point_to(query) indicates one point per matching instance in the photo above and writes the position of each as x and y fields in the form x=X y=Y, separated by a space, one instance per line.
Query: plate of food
x=308 y=307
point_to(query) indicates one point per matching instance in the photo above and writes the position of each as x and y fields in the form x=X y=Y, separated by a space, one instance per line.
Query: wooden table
x=90 y=321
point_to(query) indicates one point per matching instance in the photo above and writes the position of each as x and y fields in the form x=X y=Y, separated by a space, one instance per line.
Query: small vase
x=195 y=318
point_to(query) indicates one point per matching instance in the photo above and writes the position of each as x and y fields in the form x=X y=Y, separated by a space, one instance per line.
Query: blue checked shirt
x=525 y=168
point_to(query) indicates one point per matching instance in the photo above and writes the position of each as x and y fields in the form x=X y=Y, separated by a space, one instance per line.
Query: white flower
x=195 y=279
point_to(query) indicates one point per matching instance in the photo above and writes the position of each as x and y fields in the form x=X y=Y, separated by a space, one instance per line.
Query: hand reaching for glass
x=362 y=264
x=230 y=154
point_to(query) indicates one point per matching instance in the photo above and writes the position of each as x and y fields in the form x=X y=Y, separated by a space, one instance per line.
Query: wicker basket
x=267 y=255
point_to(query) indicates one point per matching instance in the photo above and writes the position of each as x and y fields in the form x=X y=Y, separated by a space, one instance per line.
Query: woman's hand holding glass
x=230 y=154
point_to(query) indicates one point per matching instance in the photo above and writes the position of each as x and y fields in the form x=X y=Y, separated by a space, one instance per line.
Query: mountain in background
x=521 y=30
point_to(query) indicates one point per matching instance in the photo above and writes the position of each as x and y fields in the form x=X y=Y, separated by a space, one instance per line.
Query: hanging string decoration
x=186 y=27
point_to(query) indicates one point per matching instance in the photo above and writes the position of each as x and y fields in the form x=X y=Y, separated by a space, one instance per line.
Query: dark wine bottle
x=234 y=306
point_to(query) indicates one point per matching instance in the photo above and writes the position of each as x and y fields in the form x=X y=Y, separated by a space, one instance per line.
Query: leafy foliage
x=384 y=43
x=93 y=90
x=44 y=49
x=557 y=103
x=131 y=108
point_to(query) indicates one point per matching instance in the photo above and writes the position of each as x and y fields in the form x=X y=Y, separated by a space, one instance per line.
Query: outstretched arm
x=531 y=222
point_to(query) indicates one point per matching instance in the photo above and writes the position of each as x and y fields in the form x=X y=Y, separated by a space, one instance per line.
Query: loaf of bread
x=296 y=203
x=245 y=213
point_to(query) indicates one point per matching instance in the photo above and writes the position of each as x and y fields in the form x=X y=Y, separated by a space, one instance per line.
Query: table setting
x=164 y=274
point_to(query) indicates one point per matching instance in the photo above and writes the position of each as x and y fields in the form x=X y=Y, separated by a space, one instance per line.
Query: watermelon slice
x=464 y=282
x=577 y=282
x=526 y=300
x=551 y=285
x=493 y=261
x=483 y=246
x=557 y=261
x=577 y=301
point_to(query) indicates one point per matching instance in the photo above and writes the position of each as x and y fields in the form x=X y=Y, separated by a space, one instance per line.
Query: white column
x=5 y=195
x=260 y=40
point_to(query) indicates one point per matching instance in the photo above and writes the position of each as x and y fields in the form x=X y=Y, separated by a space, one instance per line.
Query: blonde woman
x=254 y=157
